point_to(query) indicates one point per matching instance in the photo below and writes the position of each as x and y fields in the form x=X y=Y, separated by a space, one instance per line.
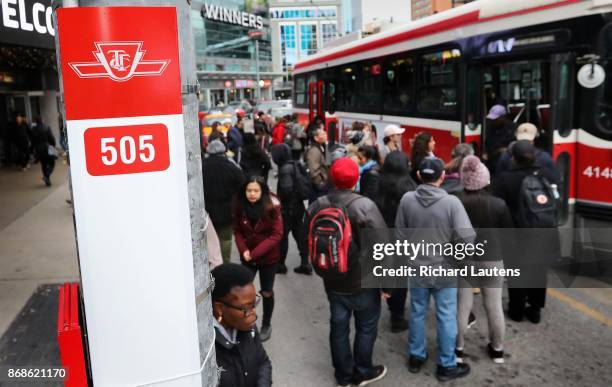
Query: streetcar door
x=562 y=83
x=312 y=100
x=473 y=105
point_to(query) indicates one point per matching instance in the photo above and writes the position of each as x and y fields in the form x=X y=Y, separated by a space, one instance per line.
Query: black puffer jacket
x=222 y=180
x=245 y=364
x=255 y=162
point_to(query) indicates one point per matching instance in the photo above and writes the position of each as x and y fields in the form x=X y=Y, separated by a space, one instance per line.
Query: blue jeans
x=446 y=315
x=365 y=306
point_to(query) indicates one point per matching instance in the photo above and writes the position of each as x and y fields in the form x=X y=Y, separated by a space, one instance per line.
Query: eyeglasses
x=247 y=310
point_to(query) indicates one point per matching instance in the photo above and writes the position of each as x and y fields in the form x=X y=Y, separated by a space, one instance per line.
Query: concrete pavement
x=571 y=347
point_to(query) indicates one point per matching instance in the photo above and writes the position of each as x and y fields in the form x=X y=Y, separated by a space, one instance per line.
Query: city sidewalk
x=572 y=346
x=37 y=243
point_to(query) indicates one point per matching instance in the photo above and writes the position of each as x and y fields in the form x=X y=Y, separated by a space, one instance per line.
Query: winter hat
x=215 y=147
x=344 y=173
x=474 y=174
x=496 y=112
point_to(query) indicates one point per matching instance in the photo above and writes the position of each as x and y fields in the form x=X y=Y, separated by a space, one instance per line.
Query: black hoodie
x=286 y=190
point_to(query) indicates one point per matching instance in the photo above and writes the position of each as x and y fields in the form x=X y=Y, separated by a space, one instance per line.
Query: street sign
x=124 y=115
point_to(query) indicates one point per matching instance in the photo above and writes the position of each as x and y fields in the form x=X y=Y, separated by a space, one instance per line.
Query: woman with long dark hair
x=258 y=230
x=423 y=146
x=394 y=182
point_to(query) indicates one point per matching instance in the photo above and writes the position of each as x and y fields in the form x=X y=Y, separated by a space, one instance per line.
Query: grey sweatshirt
x=434 y=216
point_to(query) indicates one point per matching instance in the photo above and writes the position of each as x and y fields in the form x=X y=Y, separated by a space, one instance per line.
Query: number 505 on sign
x=127 y=149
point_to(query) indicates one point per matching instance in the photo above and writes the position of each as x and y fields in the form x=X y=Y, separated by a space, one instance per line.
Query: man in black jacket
x=292 y=207
x=346 y=297
x=241 y=357
x=222 y=180
x=538 y=246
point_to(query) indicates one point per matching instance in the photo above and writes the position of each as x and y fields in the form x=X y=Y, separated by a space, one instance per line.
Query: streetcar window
x=398 y=85
x=438 y=83
x=604 y=106
x=368 y=95
x=300 y=90
x=346 y=91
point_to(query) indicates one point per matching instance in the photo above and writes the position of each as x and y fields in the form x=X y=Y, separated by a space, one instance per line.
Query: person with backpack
x=531 y=198
x=316 y=162
x=433 y=214
x=254 y=160
x=292 y=189
x=334 y=224
x=239 y=352
x=369 y=171
x=258 y=230
x=394 y=182
x=488 y=214
x=528 y=132
x=222 y=179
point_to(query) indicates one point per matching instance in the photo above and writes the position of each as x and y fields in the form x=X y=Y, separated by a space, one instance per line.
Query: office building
x=227 y=53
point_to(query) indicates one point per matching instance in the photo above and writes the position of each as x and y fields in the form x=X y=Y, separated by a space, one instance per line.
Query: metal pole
x=189 y=81
x=257 y=88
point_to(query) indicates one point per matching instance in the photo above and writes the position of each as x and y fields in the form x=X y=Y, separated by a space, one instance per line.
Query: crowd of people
x=362 y=185
x=24 y=144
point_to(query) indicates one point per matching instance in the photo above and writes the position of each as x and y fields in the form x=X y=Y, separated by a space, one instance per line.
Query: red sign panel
x=127 y=149
x=115 y=65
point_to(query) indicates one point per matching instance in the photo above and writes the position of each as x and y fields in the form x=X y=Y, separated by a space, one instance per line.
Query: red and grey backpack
x=329 y=238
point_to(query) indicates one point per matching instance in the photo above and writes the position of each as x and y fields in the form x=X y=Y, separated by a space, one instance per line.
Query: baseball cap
x=431 y=169
x=344 y=173
x=496 y=112
x=526 y=131
x=390 y=130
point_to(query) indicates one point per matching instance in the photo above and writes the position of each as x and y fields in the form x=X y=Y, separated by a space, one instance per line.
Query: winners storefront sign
x=122 y=91
x=26 y=23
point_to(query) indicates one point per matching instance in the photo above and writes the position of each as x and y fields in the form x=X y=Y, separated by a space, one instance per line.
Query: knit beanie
x=344 y=173
x=474 y=174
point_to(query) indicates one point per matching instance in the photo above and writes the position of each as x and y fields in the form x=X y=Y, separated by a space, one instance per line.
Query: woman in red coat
x=258 y=230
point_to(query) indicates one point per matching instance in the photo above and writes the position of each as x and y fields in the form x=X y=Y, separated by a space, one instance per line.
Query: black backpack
x=301 y=183
x=537 y=206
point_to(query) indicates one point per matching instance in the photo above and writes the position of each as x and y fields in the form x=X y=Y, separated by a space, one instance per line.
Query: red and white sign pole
x=137 y=190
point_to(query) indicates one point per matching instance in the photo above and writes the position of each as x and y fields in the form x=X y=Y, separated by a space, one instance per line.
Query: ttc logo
x=119 y=61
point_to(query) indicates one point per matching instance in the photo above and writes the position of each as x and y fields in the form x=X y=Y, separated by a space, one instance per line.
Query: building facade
x=368 y=15
x=424 y=8
x=300 y=28
x=233 y=49
x=28 y=68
